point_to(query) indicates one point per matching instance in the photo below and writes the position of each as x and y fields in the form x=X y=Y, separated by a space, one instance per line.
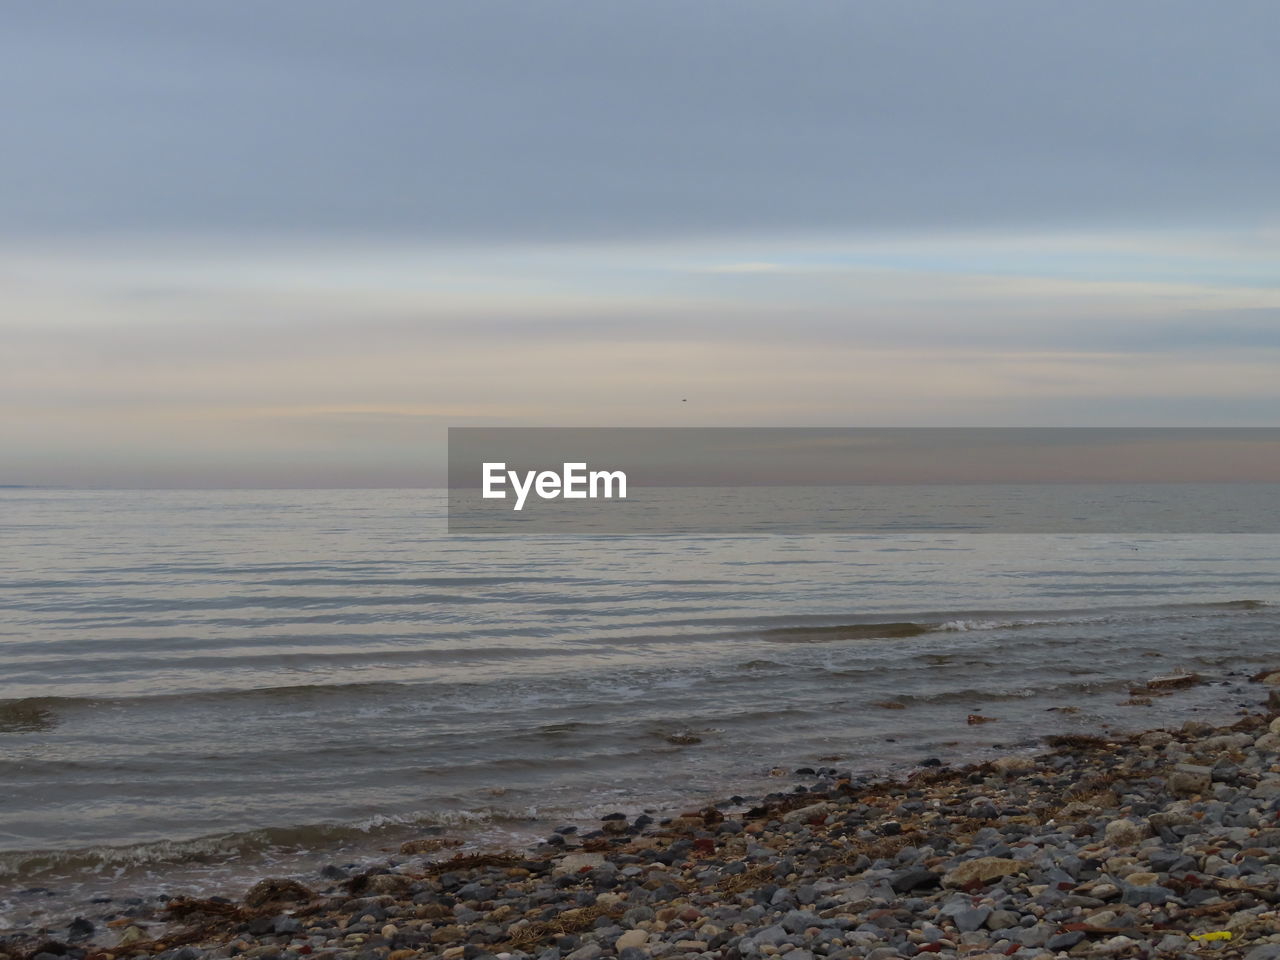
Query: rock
x=428 y=845
x=1125 y=833
x=1104 y=891
x=1169 y=818
x=1002 y=919
x=1008 y=765
x=130 y=935
x=1182 y=783
x=982 y=870
x=970 y=918
x=913 y=878
x=797 y=921
x=575 y=862
x=688 y=823
x=814 y=811
x=771 y=936
x=1036 y=935
x=1268 y=743
x=387 y=884
x=1133 y=896
x=1115 y=945
x=1064 y=941
x=1175 y=682
x=1267 y=789
x=1076 y=810
x=637 y=915
x=276 y=890
x=632 y=938
x=1225 y=743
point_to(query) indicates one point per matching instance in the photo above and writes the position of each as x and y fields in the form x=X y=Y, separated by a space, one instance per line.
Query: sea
x=200 y=688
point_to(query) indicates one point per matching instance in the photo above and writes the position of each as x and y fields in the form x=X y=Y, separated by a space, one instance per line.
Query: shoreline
x=211 y=866
x=1116 y=845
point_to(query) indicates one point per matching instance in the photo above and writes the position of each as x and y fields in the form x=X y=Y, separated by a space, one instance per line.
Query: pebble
x=1078 y=851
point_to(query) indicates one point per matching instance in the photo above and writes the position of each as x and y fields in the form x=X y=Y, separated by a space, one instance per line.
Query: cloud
x=489 y=121
x=282 y=244
x=756 y=266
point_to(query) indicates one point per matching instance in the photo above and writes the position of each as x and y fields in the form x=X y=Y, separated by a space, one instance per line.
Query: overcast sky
x=281 y=243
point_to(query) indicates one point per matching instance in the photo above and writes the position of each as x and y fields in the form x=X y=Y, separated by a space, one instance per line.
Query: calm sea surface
x=199 y=686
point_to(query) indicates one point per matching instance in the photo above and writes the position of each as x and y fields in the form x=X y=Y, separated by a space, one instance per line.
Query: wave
x=35 y=714
x=227 y=847
x=27 y=705
x=849 y=631
x=26 y=716
x=986 y=620
x=973 y=695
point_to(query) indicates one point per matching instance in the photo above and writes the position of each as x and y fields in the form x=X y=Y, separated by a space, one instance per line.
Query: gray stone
x=1065 y=941
x=913 y=878
x=1002 y=919
x=1156 y=895
x=1035 y=936
x=970 y=918
x=797 y=921
x=636 y=915
x=772 y=936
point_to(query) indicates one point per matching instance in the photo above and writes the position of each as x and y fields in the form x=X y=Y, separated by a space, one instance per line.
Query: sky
x=288 y=243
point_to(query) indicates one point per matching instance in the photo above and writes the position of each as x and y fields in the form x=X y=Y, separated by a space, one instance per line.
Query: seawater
x=200 y=686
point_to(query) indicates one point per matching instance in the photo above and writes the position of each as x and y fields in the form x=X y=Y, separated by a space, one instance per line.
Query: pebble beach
x=1164 y=843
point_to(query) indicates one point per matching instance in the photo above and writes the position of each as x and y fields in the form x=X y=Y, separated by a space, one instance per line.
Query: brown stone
x=981 y=870
x=1175 y=682
x=448 y=934
x=395 y=884
x=428 y=845
x=277 y=890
